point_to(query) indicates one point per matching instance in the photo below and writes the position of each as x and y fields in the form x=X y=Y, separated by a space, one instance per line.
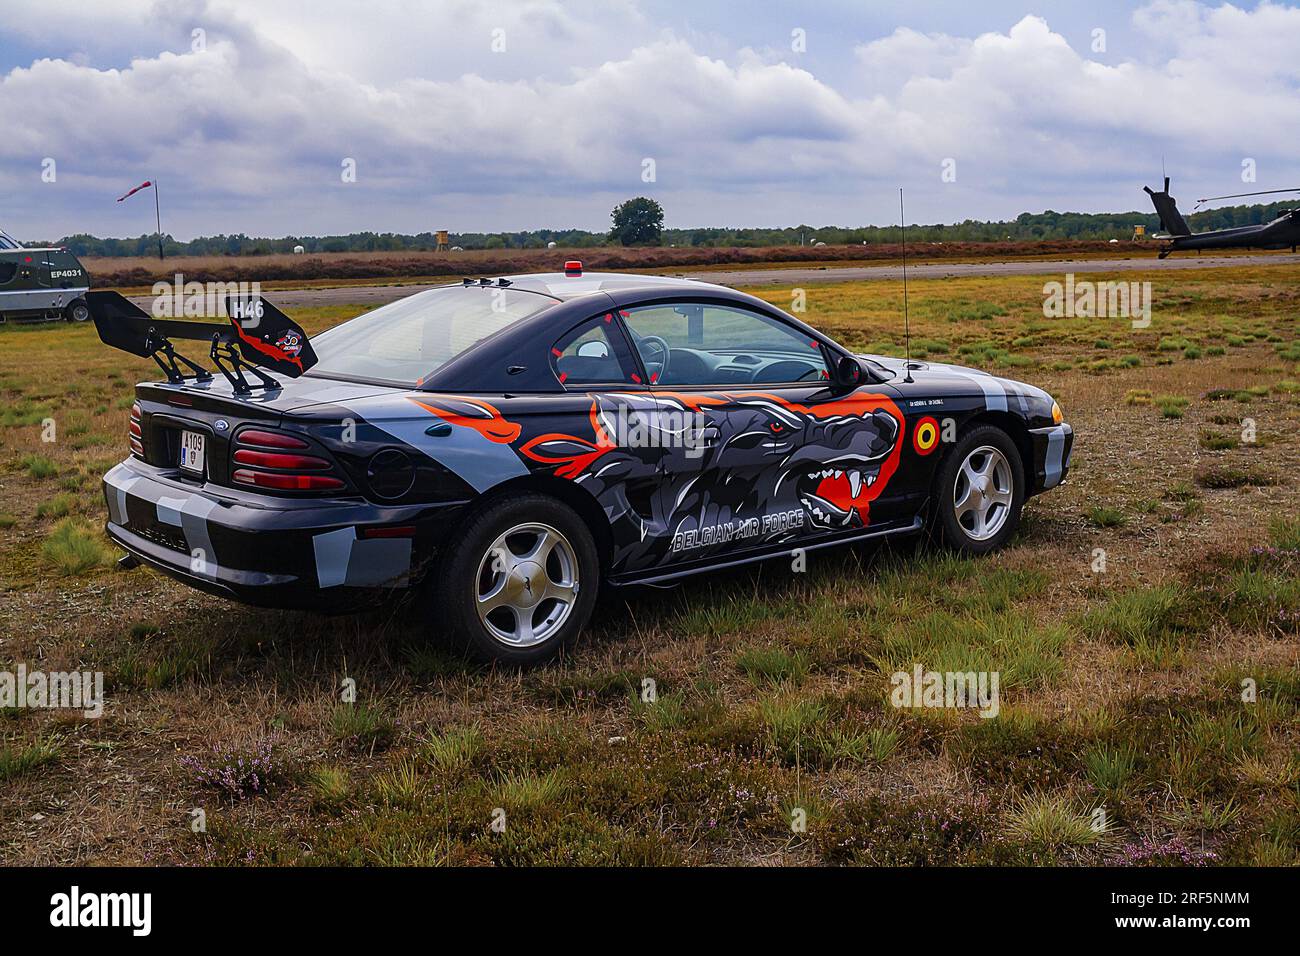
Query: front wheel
x=520 y=582
x=979 y=491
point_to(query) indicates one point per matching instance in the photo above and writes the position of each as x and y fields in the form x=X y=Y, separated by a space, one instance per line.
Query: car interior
x=701 y=344
x=694 y=345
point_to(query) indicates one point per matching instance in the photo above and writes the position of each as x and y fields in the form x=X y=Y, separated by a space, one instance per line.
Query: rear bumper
x=311 y=553
x=1051 y=460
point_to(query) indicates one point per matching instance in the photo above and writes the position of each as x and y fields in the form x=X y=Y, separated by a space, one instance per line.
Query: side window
x=685 y=343
x=593 y=354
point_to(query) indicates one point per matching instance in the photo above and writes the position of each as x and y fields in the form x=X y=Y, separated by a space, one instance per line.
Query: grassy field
x=1122 y=689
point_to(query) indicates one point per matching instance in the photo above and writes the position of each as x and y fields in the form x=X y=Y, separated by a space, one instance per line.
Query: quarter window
x=593 y=354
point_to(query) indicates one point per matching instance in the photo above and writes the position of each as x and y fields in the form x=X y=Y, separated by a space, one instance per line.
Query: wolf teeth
x=857 y=479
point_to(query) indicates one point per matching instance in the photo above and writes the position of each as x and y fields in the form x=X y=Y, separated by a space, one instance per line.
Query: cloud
x=249 y=132
x=1027 y=109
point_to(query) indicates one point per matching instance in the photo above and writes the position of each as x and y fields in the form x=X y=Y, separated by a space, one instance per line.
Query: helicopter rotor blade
x=1266 y=192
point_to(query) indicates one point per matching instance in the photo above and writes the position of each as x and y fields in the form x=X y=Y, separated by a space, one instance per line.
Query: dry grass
x=135 y=271
x=772 y=686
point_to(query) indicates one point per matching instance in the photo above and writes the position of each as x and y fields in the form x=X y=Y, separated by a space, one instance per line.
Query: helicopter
x=41 y=283
x=1282 y=233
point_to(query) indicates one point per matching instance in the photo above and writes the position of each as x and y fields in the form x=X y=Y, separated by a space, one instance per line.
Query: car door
x=600 y=434
x=768 y=454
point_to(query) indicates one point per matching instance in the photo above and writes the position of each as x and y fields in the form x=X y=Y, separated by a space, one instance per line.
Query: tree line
x=1025 y=227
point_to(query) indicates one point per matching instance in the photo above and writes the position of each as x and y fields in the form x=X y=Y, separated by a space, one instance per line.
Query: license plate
x=192 y=451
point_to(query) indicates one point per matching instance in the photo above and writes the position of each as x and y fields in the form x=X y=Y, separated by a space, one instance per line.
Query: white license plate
x=192 y=451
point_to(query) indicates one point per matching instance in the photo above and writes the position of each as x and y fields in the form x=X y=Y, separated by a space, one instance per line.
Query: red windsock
x=144 y=185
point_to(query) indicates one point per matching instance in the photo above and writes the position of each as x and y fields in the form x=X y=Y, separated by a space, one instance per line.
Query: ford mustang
x=507 y=447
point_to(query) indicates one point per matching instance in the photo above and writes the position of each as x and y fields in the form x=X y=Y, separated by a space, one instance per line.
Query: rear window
x=407 y=341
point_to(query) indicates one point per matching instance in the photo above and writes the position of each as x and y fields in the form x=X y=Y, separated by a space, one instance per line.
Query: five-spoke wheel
x=527 y=584
x=518 y=583
x=981 y=498
x=979 y=489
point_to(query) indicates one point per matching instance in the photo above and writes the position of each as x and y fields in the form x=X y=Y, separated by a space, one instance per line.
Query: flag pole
x=157 y=211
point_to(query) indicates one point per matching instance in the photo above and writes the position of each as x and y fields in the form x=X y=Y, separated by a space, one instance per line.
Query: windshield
x=8 y=242
x=410 y=339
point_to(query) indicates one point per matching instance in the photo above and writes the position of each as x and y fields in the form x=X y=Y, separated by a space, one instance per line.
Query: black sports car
x=510 y=445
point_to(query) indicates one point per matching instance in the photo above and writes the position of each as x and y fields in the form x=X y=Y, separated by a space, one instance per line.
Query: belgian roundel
x=925 y=436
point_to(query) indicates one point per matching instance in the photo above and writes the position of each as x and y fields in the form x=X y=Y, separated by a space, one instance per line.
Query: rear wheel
x=520 y=582
x=77 y=311
x=979 y=491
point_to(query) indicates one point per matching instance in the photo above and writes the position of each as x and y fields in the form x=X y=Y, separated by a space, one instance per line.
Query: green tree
x=637 y=222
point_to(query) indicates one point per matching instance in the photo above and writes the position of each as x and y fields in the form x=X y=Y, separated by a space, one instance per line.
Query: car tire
x=979 y=491
x=77 y=311
x=505 y=602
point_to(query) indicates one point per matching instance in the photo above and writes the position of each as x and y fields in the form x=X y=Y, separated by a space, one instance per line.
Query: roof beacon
x=573 y=268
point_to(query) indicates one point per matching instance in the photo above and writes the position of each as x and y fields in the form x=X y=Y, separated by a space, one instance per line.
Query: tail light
x=281 y=462
x=267 y=459
x=135 y=434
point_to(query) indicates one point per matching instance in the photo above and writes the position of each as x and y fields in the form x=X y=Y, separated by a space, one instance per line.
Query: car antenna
x=907 y=325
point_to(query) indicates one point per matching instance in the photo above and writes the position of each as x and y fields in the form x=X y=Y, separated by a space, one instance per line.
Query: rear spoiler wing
x=259 y=336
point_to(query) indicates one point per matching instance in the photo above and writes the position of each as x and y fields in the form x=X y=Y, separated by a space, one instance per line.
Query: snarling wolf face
x=834 y=454
x=677 y=462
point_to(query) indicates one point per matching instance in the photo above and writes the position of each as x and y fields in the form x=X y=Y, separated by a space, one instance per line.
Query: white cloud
x=248 y=135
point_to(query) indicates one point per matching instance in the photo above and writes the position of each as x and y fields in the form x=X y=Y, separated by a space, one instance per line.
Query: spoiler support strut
x=225 y=356
x=158 y=348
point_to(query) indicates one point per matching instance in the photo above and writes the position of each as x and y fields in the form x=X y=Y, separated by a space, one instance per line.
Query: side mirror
x=593 y=349
x=849 y=372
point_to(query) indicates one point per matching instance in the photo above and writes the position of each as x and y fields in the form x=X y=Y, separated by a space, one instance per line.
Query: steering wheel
x=660 y=347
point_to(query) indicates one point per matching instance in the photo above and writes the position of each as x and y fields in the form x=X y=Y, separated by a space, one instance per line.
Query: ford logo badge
x=221 y=424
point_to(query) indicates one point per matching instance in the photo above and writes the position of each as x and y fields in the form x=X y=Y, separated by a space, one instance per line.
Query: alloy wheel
x=527 y=585
x=983 y=492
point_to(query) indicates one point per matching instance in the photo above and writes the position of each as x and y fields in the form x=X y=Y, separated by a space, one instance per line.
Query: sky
x=312 y=117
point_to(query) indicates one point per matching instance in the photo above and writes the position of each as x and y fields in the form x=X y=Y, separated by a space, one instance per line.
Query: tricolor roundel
x=925 y=436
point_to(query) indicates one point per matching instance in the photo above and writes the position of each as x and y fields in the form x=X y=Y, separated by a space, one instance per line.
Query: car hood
x=937 y=379
x=945 y=372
